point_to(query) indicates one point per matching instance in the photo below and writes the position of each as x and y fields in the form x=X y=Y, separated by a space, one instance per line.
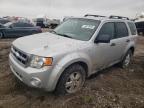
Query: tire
x=126 y=60
x=71 y=80
x=1 y=35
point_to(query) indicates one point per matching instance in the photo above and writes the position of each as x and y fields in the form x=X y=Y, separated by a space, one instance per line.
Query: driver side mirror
x=104 y=38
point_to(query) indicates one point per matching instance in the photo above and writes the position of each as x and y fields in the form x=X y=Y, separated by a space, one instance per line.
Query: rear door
x=119 y=42
x=22 y=29
x=18 y=28
x=27 y=29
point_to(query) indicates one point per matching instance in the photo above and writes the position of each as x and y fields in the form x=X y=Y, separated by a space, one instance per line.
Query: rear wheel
x=71 y=80
x=126 y=60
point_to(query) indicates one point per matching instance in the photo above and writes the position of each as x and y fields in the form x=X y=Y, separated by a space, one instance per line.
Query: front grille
x=20 y=56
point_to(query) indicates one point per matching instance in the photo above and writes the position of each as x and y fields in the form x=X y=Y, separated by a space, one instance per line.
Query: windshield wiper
x=64 y=35
x=52 y=31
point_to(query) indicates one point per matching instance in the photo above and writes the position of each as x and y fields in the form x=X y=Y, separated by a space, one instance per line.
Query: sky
x=62 y=8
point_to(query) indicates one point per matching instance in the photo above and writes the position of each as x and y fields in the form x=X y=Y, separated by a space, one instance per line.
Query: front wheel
x=71 y=80
x=126 y=60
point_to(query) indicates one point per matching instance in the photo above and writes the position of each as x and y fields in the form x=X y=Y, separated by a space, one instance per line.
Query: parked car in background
x=140 y=26
x=23 y=19
x=4 y=21
x=79 y=47
x=17 y=29
x=54 y=23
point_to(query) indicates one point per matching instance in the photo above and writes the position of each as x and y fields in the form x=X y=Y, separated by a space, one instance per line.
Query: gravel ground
x=110 y=88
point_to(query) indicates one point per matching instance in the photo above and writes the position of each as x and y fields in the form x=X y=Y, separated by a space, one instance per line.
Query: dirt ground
x=111 y=88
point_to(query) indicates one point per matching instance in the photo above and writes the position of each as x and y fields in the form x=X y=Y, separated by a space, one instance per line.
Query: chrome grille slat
x=20 y=56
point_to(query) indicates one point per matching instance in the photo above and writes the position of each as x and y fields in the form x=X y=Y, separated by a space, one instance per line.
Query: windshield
x=77 y=28
x=7 y=24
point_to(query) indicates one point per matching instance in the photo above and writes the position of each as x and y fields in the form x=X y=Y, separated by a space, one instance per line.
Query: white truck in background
x=46 y=22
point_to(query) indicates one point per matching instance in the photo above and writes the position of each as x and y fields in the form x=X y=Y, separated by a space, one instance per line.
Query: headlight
x=39 y=62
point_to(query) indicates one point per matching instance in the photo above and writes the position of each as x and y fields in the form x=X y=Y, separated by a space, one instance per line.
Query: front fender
x=63 y=64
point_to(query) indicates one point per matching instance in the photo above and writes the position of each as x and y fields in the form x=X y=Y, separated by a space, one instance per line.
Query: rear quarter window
x=132 y=28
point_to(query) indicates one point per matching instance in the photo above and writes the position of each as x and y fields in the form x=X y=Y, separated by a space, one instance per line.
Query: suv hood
x=44 y=44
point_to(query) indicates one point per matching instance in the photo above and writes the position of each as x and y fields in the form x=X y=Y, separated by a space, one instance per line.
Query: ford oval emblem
x=17 y=54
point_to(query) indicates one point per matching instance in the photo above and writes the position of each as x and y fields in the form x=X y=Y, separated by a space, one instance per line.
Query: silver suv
x=61 y=60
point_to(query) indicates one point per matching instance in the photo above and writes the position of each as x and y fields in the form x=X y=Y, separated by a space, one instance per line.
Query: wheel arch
x=81 y=63
x=132 y=49
x=58 y=72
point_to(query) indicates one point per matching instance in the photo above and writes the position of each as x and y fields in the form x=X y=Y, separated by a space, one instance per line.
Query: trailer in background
x=140 y=26
x=45 y=22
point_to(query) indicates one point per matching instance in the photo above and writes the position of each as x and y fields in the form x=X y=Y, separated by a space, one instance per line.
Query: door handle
x=113 y=44
x=127 y=40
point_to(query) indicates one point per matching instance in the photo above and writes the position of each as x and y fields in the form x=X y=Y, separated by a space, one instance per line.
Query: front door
x=103 y=51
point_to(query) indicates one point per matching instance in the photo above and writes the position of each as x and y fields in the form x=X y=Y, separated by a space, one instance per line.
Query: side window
x=132 y=28
x=17 y=25
x=121 y=30
x=107 y=29
x=27 y=25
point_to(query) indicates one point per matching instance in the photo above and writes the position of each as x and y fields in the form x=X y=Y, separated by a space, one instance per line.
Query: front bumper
x=27 y=74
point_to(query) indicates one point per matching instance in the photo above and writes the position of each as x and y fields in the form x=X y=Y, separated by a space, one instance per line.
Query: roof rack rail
x=119 y=17
x=93 y=15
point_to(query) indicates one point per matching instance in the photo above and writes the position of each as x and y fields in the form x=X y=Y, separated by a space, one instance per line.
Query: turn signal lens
x=48 y=61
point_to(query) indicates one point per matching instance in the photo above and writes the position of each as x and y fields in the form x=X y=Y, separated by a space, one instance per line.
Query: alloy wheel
x=74 y=82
